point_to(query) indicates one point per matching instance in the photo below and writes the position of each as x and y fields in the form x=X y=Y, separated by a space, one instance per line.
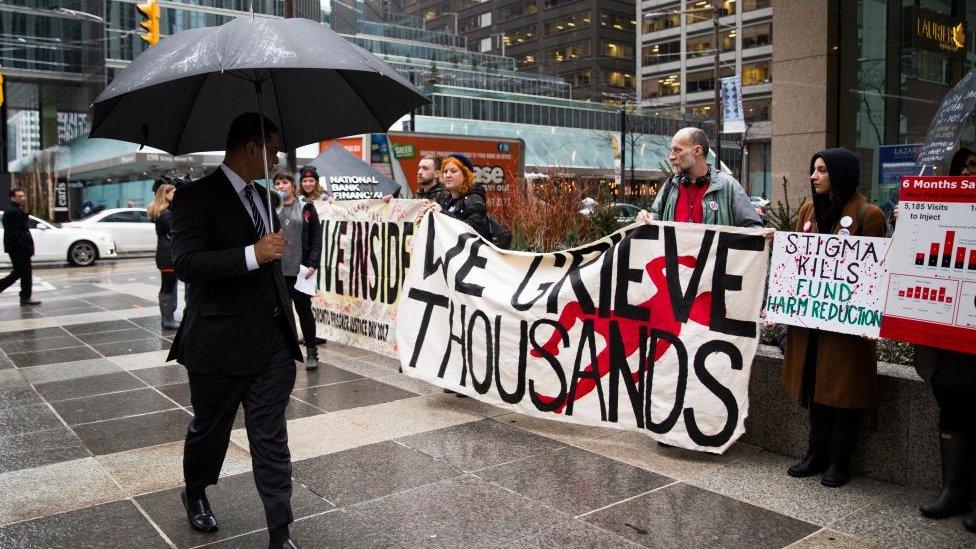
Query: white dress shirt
x=239 y=184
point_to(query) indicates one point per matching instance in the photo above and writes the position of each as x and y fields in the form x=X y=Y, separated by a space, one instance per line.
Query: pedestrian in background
x=309 y=181
x=953 y=378
x=162 y=216
x=19 y=245
x=833 y=375
x=300 y=225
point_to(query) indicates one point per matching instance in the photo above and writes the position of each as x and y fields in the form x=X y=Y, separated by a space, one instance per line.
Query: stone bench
x=904 y=448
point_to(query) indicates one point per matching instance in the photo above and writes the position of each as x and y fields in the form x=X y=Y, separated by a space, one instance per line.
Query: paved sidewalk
x=92 y=421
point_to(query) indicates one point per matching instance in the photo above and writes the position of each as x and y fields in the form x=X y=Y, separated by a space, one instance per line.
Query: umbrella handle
x=264 y=155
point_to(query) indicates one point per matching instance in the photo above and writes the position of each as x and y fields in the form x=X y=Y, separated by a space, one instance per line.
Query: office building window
x=578 y=79
x=618 y=21
x=699 y=46
x=516 y=10
x=484 y=45
x=616 y=50
x=526 y=61
x=661 y=86
x=662 y=53
x=757 y=35
x=752 y=5
x=700 y=81
x=557 y=3
x=479 y=21
x=669 y=18
x=757 y=109
x=568 y=52
x=568 y=23
x=522 y=35
x=756 y=73
x=616 y=79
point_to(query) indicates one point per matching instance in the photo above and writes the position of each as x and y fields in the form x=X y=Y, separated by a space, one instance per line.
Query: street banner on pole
x=365 y=256
x=828 y=282
x=652 y=328
x=931 y=294
x=733 y=117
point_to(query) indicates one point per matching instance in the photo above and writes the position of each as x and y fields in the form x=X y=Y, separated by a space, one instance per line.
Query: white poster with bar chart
x=931 y=296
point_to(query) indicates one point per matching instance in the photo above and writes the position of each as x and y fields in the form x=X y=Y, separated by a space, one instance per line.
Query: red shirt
x=688 y=206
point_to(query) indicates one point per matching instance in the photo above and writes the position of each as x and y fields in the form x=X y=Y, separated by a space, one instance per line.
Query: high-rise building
x=676 y=69
x=588 y=43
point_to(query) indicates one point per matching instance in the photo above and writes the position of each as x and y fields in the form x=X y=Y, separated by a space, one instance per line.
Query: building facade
x=867 y=75
x=588 y=43
x=675 y=64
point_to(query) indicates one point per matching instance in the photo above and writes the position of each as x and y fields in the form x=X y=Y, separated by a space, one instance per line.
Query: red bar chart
x=940 y=254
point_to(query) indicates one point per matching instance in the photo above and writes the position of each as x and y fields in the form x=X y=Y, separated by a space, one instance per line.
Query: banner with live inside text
x=652 y=328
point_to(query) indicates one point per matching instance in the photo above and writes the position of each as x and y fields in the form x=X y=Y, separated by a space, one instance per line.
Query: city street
x=92 y=420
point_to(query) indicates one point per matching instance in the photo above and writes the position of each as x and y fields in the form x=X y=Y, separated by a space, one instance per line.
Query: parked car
x=77 y=246
x=626 y=213
x=131 y=228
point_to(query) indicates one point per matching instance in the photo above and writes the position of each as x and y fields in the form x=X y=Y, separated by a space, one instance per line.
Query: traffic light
x=150 y=12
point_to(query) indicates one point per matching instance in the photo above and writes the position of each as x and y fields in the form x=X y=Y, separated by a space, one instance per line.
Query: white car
x=77 y=246
x=131 y=228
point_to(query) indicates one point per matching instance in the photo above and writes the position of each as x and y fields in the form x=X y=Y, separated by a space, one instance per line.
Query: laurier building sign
x=937 y=32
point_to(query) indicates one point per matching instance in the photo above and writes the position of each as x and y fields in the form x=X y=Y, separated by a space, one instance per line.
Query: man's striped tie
x=255 y=214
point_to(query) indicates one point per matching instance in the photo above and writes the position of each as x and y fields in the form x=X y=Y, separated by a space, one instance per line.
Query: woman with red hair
x=463 y=197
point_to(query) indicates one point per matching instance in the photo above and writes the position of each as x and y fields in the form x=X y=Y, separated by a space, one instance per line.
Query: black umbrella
x=340 y=167
x=181 y=95
x=944 y=129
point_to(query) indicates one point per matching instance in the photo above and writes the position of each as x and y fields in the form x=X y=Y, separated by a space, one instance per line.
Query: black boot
x=970 y=522
x=846 y=427
x=818 y=456
x=311 y=358
x=957 y=452
x=167 y=309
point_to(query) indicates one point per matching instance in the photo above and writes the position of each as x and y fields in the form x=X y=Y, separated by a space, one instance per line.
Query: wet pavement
x=92 y=420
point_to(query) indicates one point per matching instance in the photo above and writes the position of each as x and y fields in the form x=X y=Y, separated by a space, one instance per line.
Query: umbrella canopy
x=957 y=105
x=181 y=95
x=349 y=178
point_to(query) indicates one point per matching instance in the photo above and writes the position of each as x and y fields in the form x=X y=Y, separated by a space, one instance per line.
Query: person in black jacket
x=161 y=215
x=300 y=224
x=953 y=378
x=19 y=245
x=463 y=197
x=237 y=339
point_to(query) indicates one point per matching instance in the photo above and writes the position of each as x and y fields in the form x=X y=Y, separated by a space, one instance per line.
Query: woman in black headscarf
x=833 y=375
x=953 y=378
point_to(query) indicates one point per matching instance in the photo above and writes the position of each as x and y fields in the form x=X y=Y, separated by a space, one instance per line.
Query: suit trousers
x=216 y=398
x=20 y=268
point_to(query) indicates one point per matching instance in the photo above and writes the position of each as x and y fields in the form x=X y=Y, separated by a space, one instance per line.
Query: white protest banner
x=652 y=328
x=828 y=282
x=365 y=256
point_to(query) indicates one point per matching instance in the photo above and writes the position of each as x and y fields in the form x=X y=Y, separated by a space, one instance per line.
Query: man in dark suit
x=19 y=245
x=237 y=339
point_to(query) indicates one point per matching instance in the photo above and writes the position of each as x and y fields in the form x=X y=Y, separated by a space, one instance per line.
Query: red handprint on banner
x=661 y=318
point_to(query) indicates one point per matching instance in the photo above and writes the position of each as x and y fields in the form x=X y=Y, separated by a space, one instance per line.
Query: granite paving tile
x=27 y=419
x=370 y=471
x=895 y=522
x=139 y=361
x=158 y=376
x=154 y=325
x=460 y=512
x=18 y=313
x=33 y=333
x=88 y=386
x=236 y=504
x=144 y=470
x=130 y=347
x=179 y=392
x=112 y=406
x=38 y=448
x=50 y=312
x=15 y=391
x=568 y=433
x=830 y=539
x=324 y=375
x=54 y=488
x=60 y=371
x=119 y=435
x=23 y=360
x=43 y=344
x=572 y=533
x=129 y=334
x=96 y=327
x=352 y=394
x=296 y=409
x=106 y=526
x=681 y=515
x=572 y=480
x=120 y=301
x=335 y=528
x=480 y=444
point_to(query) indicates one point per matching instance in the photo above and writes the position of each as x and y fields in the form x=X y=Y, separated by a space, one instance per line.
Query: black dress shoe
x=24 y=303
x=289 y=544
x=812 y=464
x=199 y=514
x=837 y=475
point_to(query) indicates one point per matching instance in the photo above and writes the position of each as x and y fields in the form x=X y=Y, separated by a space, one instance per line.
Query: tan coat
x=846 y=374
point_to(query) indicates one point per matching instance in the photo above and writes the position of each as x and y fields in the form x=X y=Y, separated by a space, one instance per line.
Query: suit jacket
x=227 y=327
x=17 y=239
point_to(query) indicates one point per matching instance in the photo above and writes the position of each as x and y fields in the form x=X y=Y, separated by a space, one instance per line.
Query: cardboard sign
x=931 y=294
x=652 y=328
x=828 y=282
x=943 y=132
x=365 y=256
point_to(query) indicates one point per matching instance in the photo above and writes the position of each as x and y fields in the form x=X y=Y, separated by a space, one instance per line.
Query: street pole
x=413 y=118
x=718 y=103
x=623 y=148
